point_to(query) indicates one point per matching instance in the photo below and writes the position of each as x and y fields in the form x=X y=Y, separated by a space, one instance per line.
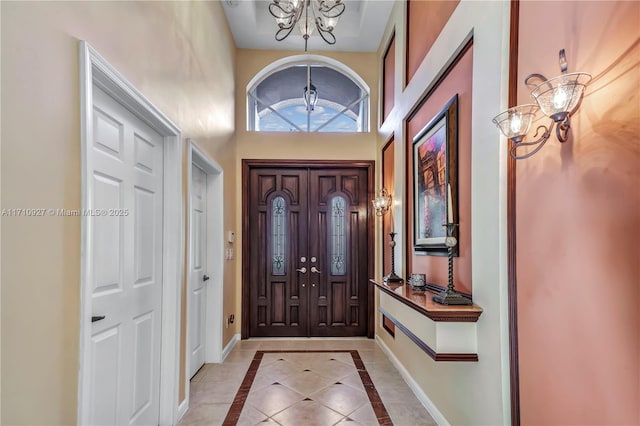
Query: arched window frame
x=312 y=60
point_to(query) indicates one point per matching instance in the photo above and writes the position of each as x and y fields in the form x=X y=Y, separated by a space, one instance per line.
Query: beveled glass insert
x=338 y=235
x=278 y=235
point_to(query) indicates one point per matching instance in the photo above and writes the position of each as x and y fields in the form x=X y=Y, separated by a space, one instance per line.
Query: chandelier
x=323 y=16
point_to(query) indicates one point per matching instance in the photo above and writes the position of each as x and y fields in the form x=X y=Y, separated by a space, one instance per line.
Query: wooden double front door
x=307 y=249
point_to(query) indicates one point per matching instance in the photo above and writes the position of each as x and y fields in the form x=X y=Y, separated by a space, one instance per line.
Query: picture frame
x=435 y=181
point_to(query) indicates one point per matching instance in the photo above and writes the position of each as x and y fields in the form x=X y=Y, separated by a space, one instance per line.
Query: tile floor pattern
x=330 y=392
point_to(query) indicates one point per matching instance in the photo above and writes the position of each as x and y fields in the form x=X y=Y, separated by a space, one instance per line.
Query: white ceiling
x=359 y=30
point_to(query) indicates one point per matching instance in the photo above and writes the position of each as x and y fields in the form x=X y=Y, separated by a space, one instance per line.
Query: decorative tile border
x=241 y=396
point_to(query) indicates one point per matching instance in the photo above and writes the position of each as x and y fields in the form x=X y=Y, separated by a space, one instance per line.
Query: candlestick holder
x=449 y=296
x=392 y=277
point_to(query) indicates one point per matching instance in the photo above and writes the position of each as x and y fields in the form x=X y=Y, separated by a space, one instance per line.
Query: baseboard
x=182 y=408
x=413 y=385
x=227 y=349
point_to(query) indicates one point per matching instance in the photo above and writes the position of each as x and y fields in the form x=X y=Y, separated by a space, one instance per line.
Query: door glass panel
x=278 y=235
x=338 y=235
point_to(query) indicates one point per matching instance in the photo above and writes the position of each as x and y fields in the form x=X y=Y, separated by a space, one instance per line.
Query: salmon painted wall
x=578 y=223
x=436 y=267
x=388 y=176
x=458 y=393
x=388 y=79
x=425 y=22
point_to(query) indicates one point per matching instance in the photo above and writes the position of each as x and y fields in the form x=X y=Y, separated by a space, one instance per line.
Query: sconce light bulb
x=516 y=124
x=560 y=98
x=330 y=23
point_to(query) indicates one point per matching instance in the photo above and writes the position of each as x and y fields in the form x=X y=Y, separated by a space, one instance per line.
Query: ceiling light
x=310 y=97
x=324 y=16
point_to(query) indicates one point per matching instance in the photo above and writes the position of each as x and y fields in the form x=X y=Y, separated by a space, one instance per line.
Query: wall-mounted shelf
x=445 y=333
x=420 y=300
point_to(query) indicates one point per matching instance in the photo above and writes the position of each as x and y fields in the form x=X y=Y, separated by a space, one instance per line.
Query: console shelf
x=445 y=333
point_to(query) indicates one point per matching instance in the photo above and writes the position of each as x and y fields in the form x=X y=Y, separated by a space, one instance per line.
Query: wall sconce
x=382 y=202
x=558 y=99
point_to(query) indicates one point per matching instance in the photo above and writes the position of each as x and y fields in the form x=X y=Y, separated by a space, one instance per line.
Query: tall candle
x=391 y=214
x=449 y=204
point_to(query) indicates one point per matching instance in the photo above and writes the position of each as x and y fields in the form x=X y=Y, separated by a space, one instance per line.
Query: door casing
x=247 y=165
x=214 y=263
x=94 y=69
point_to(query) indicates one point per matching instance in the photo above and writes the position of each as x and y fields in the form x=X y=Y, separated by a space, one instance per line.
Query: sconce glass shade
x=558 y=96
x=382 y=202
x=514 y=123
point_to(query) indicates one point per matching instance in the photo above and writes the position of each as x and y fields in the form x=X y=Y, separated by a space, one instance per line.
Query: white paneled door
x=198 y=277
x=126 y=165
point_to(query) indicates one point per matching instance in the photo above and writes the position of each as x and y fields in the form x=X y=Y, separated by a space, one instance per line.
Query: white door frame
x=215 y=248
x=96 y=70
x=215 y=256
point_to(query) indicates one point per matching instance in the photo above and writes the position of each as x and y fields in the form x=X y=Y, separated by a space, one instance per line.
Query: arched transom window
x=308 y=96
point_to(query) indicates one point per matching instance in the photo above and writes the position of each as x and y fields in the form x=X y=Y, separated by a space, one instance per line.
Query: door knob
x=97 y=318
x=304 y=285
x=315 y=270
x=302 y=270
x=205 y=277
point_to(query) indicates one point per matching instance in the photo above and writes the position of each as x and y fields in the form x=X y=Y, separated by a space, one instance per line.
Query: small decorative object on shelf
x=393 y=277
x=449 y=296
x=418 y=281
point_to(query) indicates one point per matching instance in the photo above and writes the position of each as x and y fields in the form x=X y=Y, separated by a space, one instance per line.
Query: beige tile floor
x=303 y=398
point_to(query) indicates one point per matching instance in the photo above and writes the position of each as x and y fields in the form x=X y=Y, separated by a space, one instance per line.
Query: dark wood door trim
x=385 y=218
x=511 y=224
x=247 y=165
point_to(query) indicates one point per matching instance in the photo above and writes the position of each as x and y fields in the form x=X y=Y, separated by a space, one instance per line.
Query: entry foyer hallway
x=303 y=382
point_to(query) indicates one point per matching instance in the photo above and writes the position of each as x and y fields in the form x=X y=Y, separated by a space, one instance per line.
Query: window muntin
x=276 y=103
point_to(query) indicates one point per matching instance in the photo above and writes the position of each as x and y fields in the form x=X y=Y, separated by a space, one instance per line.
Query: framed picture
x=435 y=181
